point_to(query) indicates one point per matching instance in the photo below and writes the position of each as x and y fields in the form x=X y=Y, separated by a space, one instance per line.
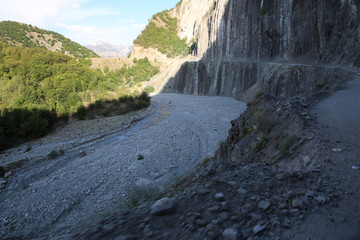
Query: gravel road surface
x=338 y=118
x=98 y=163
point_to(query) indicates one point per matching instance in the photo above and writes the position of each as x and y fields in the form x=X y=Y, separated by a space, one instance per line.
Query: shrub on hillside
x=164 y=38
x=21 y=124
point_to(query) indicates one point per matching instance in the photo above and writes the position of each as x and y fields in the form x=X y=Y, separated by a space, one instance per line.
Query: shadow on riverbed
x=115 y=107
x=22 y=124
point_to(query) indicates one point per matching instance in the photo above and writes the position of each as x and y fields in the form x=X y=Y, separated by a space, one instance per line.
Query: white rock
x=337 y=150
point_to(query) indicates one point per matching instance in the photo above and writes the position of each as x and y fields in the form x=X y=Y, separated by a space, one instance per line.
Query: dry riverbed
x=94 y=163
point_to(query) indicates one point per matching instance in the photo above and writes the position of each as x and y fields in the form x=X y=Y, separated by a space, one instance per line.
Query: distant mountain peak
x=105 y=49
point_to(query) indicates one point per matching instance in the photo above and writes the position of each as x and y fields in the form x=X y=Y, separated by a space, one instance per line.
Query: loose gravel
x=97 y=162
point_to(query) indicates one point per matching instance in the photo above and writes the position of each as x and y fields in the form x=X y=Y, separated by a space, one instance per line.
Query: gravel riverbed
x=98 y=162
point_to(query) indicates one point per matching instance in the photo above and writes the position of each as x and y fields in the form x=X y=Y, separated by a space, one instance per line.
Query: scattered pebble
x=230 y=234
x=219 y=196
x=259 y=228
x=337 y=150
x=264 y=205
x=297 y=203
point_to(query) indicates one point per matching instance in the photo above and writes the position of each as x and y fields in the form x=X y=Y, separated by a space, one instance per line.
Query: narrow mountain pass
x=91 y=174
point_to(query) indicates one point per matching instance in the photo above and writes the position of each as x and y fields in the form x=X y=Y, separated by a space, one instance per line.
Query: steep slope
x=281 y=47
x=170 y=39
x=161 y=34
x=19 y=34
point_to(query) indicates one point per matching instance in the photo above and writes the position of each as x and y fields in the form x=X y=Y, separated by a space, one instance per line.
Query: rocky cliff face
x=191 y=14
x=282 y=47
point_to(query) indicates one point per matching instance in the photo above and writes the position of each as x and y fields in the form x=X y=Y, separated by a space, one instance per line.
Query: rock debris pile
x=226 y=201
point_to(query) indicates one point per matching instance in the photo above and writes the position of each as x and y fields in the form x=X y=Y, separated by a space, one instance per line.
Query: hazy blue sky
x=86 y=21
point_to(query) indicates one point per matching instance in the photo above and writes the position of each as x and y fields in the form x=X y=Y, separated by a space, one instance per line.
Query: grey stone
x=108 y=228
x=297 y=203
x=126 y=237
x=320 y=199
x=223 y=216
x=242 y=191
x=259 y=228
x=8 y=174
x=148 y=232
x=295 y=212
x=200 y=222
x=309 y=194
x=232 y=183
x=164 y=206
x=256 y=217
x=337 y=150
x=2 y=183
x=214 y=209
x=286 y=223
x=304 y=105
x=282 y=205
x=306 y=160
x=211 y=227
x=219 y=196
x=230 y=234
x=264 y=205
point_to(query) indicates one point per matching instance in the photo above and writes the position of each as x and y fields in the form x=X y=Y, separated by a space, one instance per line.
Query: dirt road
x=92 y=171
x=339 y=126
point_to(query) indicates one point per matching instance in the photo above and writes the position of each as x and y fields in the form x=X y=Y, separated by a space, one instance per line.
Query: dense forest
x=38 y=86
x=19 y=34
x=163 y=36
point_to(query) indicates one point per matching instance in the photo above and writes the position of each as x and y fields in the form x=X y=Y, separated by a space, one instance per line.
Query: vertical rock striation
x=283 y=47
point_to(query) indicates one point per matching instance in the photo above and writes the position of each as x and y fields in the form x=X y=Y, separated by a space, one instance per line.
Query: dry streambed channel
x=84 y=171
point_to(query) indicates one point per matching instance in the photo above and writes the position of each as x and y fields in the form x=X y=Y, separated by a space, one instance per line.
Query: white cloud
x=43 y=13
x=72 y=18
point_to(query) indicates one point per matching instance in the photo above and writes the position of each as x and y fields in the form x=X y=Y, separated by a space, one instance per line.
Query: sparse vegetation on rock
x=15 y=34
x=161 y=33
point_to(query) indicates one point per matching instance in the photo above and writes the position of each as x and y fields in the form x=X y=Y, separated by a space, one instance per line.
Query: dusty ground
x=338 y=126
x=94 y=164
x=246 y=192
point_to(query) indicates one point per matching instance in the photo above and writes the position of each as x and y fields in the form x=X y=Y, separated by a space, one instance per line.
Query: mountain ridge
x=21 y=34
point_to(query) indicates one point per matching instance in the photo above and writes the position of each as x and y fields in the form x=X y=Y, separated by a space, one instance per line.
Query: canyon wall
x=283 y=47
